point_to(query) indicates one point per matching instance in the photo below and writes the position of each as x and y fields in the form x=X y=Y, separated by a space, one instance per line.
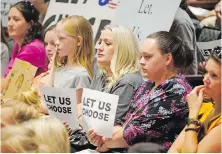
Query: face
x=212 y=79
x=152 y=61
x=49 y=41
x=64 y=42
x=17 y=25
x=105 y=48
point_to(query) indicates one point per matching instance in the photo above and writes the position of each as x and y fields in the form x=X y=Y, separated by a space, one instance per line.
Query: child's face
x=64 y=42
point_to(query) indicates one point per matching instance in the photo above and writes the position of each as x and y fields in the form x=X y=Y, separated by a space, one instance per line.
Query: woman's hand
x=102 y=148
x=194 y=100
x=95 y=139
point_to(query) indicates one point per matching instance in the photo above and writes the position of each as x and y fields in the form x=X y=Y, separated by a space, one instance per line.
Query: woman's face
x=17 y=25
x=49 y=41
x=153 y=62
x=105 y=48
x=212 y=79
x=64 y=42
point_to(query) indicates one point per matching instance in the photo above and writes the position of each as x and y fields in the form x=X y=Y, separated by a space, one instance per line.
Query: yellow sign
x=19 y=79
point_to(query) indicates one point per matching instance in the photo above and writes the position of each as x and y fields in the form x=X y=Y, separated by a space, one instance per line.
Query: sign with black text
x=145 y=17
x=61 y=103
x=206 y=47
x=95 y=11
x=99 y=111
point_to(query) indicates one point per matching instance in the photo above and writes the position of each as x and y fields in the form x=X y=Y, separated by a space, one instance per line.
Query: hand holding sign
x=99 y=109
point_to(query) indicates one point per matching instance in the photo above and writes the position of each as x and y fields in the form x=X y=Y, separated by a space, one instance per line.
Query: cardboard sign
x=61 y=103
x=99 y=111
x=206 y=47
x=97 y=12
x=19 y=79
x=145 y=17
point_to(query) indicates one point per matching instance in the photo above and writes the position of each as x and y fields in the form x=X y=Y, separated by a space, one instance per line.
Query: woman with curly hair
x=25 y=30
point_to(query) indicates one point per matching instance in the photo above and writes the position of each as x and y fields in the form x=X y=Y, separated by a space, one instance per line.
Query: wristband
x=191 y=129
x=193 y=121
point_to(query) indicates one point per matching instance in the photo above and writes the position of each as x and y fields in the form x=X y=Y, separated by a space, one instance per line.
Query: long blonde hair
x=126 y=54
x=50 y=132
x=82 y=55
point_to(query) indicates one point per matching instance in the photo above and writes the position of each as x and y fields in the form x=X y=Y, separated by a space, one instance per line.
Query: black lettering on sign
x=50 y=99
x=137 y=32
x=95 y=114
x=145 y=8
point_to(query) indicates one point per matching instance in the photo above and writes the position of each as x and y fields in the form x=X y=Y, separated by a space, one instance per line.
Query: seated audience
x=158 y=108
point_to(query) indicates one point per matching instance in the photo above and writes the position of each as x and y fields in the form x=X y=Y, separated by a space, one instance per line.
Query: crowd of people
x=158 y=109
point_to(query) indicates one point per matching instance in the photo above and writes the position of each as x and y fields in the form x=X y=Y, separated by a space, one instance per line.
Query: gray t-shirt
x=71 y=77
x=183 y=27
x=124 y=88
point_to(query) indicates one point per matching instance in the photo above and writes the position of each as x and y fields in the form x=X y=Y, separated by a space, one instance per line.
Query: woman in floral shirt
x=158 y=108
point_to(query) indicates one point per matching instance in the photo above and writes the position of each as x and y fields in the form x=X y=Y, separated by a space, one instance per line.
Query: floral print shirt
x=158 y=116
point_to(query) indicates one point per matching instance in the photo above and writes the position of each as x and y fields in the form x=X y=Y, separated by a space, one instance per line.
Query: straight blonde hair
x=84 y=54
x=126 y=54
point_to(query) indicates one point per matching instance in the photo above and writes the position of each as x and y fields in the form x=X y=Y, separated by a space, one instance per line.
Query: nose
x=99 y=47
x=142 y=61
x=10 y=23
x=206 y=79
x=56 y=42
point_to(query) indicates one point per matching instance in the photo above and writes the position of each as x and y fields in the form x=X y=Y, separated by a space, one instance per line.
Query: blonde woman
x=43 y=135
x=15 y=112
x=119 y=68
x=73 y=61
x=51 y=133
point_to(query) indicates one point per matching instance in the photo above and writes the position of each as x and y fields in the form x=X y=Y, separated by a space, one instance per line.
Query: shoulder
x=36 y=45
x=182 y=19
x=177 y=84
x=4 y=49
x=133 y=79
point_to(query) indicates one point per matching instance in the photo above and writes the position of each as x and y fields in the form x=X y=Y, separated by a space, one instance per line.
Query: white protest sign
x=145 y=17
x=5 y=6
x=206 y=47
x=99 y=111
x=61 y=103
x=97 y=14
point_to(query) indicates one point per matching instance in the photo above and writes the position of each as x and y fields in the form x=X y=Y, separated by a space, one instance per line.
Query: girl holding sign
x=158 y=109
x=72 y=65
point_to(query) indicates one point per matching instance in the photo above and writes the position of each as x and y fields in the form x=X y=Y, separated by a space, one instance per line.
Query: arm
x=178 y=143
x=194 y=100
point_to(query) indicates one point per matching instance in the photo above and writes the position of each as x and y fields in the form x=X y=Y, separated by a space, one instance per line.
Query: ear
x=169 y=59
x=79 y=40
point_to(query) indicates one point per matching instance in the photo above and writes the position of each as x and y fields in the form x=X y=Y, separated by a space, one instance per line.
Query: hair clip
x=217 y=50
x=30 y=5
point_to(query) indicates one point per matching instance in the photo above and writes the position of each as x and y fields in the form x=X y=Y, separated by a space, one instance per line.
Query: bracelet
x=193 y=121
x=191 y=129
